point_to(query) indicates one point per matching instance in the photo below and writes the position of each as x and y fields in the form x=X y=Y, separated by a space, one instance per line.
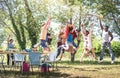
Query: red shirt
x=74 y=34
x=66 y=32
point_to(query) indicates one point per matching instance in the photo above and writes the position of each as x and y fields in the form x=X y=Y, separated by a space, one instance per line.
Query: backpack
x=25 y=67
x=45 y=68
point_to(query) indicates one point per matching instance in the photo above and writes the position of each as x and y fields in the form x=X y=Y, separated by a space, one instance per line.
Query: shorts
x=59 y=44
x=43 y=43
x=89 y=46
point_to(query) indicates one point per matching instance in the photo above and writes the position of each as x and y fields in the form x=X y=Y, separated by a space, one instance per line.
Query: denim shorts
x=43 y=43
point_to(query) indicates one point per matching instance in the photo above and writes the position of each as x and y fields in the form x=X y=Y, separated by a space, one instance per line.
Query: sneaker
x=100 y=61
x=59 y=60
x=112 y=62
x=80 y=61
x=96 y=59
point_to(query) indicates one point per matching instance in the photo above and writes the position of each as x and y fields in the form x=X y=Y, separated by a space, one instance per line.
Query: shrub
x=115 y=47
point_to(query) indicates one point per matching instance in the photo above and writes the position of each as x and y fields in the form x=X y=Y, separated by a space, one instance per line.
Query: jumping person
x=65 y=39
x=60 y=42
x=43 y=35
x=49 y=38
x=69 y=39
x=107 y=37
x=87 y=36
x=75 y=34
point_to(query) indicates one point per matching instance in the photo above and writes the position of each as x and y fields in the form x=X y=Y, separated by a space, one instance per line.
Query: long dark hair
x=70 y=29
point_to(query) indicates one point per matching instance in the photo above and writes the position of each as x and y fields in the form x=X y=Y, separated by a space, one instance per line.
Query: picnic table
x=44 y=55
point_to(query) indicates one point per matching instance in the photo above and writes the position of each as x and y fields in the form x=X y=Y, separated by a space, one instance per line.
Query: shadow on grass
x=35 y=74
x=69 y=65
x=18 y=74
x=64 y=65
x=89 y=63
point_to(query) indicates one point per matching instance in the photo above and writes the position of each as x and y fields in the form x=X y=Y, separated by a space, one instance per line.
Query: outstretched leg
x=103 y=49
x=84 y=53
x=111 y=52
x=93 y=53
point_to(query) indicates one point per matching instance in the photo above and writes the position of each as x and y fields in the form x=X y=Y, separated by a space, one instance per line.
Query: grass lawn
x=66 y=69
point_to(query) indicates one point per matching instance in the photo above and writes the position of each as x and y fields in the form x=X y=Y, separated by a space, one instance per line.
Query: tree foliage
x=110 y=11
x=24 y=23
x=17 y=25
x=25 y=17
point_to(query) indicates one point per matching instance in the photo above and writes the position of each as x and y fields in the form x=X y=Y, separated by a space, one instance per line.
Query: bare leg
x=93 y=52
x=81 y=59
x=61 y=55
x=91 y=56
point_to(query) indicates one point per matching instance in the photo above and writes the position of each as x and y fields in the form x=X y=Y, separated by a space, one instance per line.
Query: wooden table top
x=10 y=52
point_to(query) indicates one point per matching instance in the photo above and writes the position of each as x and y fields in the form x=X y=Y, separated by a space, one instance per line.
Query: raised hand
x=9 y=36
x=82 y=24
x=91 y=25
x=50 y=17
x=100 y=16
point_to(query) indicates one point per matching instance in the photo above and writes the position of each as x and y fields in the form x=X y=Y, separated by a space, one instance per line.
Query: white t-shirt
x=87 y=42
x=105 y=36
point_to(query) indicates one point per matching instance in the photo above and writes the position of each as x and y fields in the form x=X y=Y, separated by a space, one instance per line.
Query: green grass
x=66 y=69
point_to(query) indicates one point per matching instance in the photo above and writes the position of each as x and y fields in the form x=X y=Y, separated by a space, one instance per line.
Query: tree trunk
x=72 y=54
x=21 y=39
x=117 y=25
x=73 y=1
x=66 y=2
x=72 y=57
x=31 y=25
x=70 y=20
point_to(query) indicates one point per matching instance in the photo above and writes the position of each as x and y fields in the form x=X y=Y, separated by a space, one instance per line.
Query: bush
x=115 y=47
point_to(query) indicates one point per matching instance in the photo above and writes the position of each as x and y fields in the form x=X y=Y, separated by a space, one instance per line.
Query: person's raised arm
x=8 y=39
x=91 y=28
x=75 y=21
x=47 y=24
x=82 y=28
x=111 y=36
x=100 y=20
x=101 y=24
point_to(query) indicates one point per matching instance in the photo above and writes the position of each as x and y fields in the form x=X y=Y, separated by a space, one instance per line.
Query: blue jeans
x=59 y=49
x=110 y=51
x=43 y=43
x=76 y=44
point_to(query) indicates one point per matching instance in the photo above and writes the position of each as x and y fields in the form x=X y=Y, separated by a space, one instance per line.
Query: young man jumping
x=107 y=37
